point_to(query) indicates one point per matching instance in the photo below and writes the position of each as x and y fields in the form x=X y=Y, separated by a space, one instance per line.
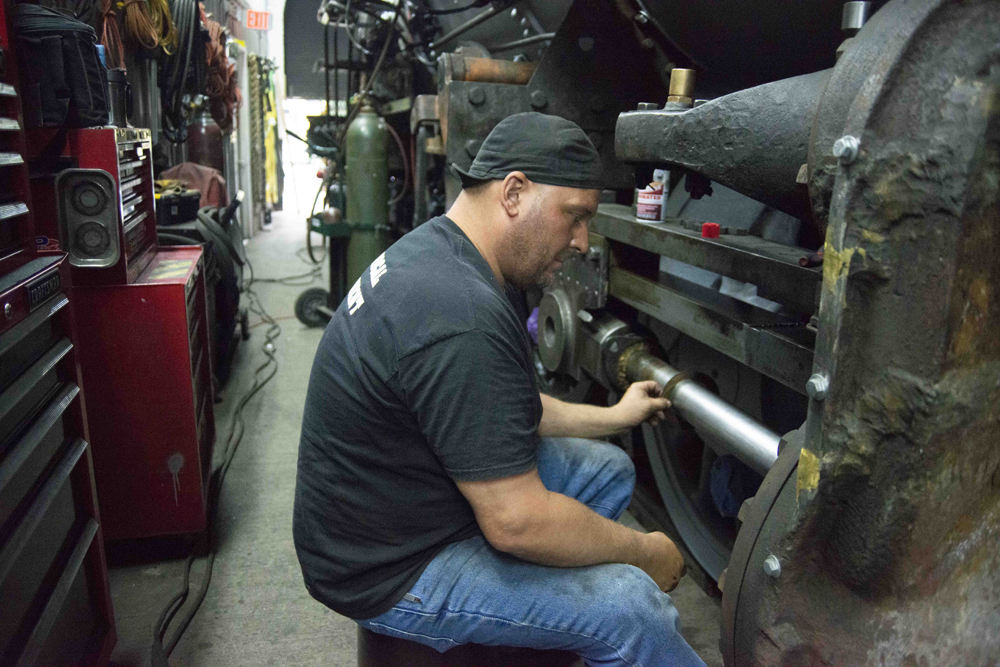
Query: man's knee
x=615 y=463
x=609 y=456
x=622 y=462
x=629 y=595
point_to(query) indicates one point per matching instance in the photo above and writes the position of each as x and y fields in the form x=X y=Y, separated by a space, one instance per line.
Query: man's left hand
x=641 y=403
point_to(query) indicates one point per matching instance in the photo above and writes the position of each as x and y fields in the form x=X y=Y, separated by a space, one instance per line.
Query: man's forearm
x=567 y=533
x=576 y=420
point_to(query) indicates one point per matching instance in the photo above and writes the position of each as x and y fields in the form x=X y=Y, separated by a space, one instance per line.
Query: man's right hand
x=662 y=561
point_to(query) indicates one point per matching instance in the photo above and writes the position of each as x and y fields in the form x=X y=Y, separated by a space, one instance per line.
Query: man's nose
x=581 y=239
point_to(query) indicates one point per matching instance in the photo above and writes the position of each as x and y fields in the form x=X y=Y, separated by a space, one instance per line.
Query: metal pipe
x=336 y=76
x=854 y=16
x=468 y=25
x=489 y=70
x=739 y=434
x=326 y=64
x=420 y=177
x=545 y=36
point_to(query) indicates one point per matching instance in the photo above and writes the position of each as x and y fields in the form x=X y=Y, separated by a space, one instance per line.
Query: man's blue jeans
x=608 y=614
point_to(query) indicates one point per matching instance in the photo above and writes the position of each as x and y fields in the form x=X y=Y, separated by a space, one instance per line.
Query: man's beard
x=528 y=260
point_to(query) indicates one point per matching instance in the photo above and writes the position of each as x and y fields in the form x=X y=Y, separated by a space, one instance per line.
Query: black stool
x=375 y=650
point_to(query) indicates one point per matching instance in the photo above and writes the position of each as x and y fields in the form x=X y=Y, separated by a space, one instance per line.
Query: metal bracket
x=585 y=277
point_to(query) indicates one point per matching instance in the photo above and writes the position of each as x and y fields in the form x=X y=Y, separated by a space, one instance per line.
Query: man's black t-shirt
x=422 y=377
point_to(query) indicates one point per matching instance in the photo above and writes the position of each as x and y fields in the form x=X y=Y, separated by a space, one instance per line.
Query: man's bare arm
x=519 y=516
x=640 y=403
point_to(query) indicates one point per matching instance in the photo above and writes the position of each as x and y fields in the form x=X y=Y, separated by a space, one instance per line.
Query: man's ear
x=511 y=193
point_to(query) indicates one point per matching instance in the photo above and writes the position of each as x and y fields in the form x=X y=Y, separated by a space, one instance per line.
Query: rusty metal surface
x=753 y=141
x=486 y=70
x=855 y=66
x=774 y=354
x=773 y=267
x=591 y=71
x=889 y=545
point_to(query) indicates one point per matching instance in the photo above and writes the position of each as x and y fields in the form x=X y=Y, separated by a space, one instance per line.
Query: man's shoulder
x=429 y=288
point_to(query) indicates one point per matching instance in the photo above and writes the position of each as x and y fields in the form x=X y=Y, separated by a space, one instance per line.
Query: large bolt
x=641 y=18
x=648 y=106
x=845 y=149
x=817 y=386
x=772 y=566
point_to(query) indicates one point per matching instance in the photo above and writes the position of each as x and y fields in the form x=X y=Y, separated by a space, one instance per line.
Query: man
x=435 y=501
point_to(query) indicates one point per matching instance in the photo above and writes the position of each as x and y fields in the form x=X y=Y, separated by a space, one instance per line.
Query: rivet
x=477 y=95
x=8 y=310
x=538 y=99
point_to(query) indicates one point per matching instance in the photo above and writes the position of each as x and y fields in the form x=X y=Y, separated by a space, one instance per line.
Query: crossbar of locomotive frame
x=774 y=268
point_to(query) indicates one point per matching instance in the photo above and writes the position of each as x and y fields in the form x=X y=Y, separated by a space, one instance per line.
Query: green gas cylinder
x=366 y=171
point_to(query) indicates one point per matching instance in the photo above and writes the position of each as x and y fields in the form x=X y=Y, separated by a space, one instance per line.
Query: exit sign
x=258 y=20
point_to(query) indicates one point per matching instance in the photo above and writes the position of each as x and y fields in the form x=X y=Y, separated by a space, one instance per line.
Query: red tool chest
x=56 y=604
x=147 y=377
x=126 y=154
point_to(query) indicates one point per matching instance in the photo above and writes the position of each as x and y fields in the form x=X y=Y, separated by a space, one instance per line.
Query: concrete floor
x=257 y=611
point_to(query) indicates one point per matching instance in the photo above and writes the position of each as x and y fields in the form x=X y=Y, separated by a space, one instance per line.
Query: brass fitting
x=623 y=361
x=681 y=88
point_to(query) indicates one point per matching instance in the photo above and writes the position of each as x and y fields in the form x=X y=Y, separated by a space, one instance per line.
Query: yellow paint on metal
x=808 y=472
x=874 y=237
x=835 y=263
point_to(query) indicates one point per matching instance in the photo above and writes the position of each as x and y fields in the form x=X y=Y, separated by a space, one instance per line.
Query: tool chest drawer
x=56 y=607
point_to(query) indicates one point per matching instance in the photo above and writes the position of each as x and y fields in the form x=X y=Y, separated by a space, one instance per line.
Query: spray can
x=651 y=200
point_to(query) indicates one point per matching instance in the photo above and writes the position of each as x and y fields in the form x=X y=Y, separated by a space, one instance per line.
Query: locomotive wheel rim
x=704 y=544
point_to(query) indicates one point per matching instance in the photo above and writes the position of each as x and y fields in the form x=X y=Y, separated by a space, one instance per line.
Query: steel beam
x=772 y=267
x=766 y=351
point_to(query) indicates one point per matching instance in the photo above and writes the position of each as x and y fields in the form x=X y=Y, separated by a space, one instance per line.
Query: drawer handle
x=33 y=375
x=30 y=440
x=36 y=640
x=20 y=330
x=132 y=222
x=53 y=485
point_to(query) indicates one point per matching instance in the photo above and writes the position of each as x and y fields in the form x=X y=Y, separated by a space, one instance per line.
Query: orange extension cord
x=147 y=25
x=111 y=36
x=223 y=93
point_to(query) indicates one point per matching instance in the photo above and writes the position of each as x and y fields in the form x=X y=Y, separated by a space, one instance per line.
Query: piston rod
x=736 y=432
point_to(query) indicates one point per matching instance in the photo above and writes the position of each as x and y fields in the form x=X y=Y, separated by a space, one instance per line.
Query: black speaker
x=88 y=217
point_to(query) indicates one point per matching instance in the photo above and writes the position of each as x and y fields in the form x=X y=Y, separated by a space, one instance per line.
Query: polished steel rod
x=736 y=432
